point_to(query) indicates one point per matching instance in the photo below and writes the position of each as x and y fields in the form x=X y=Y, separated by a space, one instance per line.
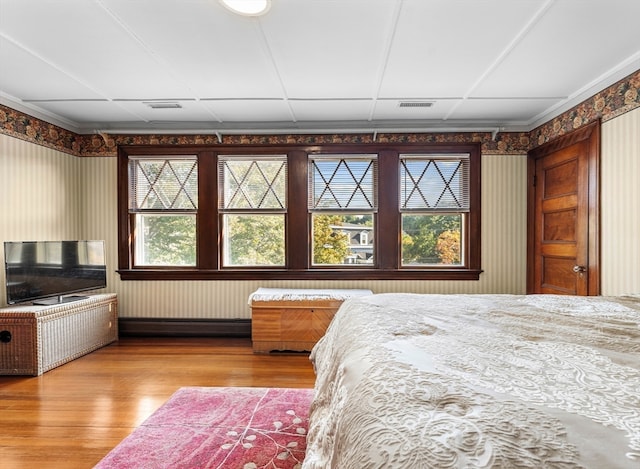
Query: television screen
x=51 y=269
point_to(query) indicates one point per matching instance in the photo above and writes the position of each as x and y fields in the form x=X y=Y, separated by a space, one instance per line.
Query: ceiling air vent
x=163 y=105
x=416 y=104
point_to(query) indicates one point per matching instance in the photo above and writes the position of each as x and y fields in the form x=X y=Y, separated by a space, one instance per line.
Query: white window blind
x=163 y=184
x=434 y=183
x=249 y=183
x=343 y=182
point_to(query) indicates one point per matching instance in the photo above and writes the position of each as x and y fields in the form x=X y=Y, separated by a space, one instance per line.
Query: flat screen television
x=43 y=272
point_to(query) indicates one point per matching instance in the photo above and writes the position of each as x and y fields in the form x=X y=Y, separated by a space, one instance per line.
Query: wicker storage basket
x=35 y=339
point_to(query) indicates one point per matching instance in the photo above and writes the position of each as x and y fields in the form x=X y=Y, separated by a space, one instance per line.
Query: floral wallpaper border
x=25 y=127
x=617 y=99
x=613 y=101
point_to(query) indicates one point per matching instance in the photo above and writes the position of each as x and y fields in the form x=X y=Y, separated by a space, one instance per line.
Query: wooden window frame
x=298 y=231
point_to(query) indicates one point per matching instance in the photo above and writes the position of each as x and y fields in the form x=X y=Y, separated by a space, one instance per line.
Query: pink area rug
x=225 y=428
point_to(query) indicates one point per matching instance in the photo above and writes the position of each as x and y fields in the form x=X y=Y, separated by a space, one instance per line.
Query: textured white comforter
x=440 y=381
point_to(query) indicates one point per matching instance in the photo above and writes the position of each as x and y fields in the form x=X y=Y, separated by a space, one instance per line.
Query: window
x=405 y=211
x=342 y=200
x=163 y=203
x=253 y=204
x=434 y=202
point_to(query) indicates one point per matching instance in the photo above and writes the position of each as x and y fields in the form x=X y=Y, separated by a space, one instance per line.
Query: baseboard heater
x=159 y=327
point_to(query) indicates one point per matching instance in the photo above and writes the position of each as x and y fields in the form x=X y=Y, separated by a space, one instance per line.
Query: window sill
x=318 y=274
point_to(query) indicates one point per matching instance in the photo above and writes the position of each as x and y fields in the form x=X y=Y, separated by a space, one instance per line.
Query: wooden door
x=563 y=215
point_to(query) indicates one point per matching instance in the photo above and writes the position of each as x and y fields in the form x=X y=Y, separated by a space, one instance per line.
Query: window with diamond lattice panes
x=253 y=205
x=298 y=211
x=163 y=204
x=343 y=203
x=434 y=204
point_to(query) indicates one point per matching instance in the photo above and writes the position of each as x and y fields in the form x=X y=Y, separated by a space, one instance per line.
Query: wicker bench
x=35 y=339
x=293 y=319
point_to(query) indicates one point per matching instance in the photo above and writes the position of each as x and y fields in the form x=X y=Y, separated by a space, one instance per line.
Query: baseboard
x=158 y=327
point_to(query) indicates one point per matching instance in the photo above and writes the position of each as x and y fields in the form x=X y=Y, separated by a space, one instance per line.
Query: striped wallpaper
x=45 y=194
x=620 y=205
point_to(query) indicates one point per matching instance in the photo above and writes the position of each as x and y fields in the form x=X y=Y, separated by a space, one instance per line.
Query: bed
x=443 y=381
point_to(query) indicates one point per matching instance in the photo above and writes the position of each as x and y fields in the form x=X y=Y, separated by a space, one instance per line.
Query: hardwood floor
x=73 y=415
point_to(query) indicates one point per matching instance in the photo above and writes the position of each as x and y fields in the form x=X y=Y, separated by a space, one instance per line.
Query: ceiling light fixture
x=247 y=7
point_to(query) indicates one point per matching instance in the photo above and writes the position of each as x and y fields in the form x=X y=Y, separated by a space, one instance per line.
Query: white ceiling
x=311 y=65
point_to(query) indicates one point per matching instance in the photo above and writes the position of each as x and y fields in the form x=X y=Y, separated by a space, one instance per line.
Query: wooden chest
x=293 y=319
x=35 y=339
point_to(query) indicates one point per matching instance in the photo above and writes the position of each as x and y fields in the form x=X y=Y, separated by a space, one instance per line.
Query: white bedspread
x=440 y=381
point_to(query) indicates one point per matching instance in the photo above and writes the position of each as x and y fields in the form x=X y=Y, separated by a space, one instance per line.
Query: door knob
x=578 y=269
